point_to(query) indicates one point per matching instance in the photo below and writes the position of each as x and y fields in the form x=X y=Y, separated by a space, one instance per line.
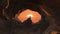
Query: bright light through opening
x=24 y=15
x=29 y=15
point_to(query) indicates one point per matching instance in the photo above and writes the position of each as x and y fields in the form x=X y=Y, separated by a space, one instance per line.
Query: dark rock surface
x=8 y=9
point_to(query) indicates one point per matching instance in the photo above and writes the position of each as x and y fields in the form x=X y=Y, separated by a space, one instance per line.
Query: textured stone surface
x=8 y=9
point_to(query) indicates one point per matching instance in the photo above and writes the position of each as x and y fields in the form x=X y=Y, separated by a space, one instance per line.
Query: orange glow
x=24 y=15
x=54 y=32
